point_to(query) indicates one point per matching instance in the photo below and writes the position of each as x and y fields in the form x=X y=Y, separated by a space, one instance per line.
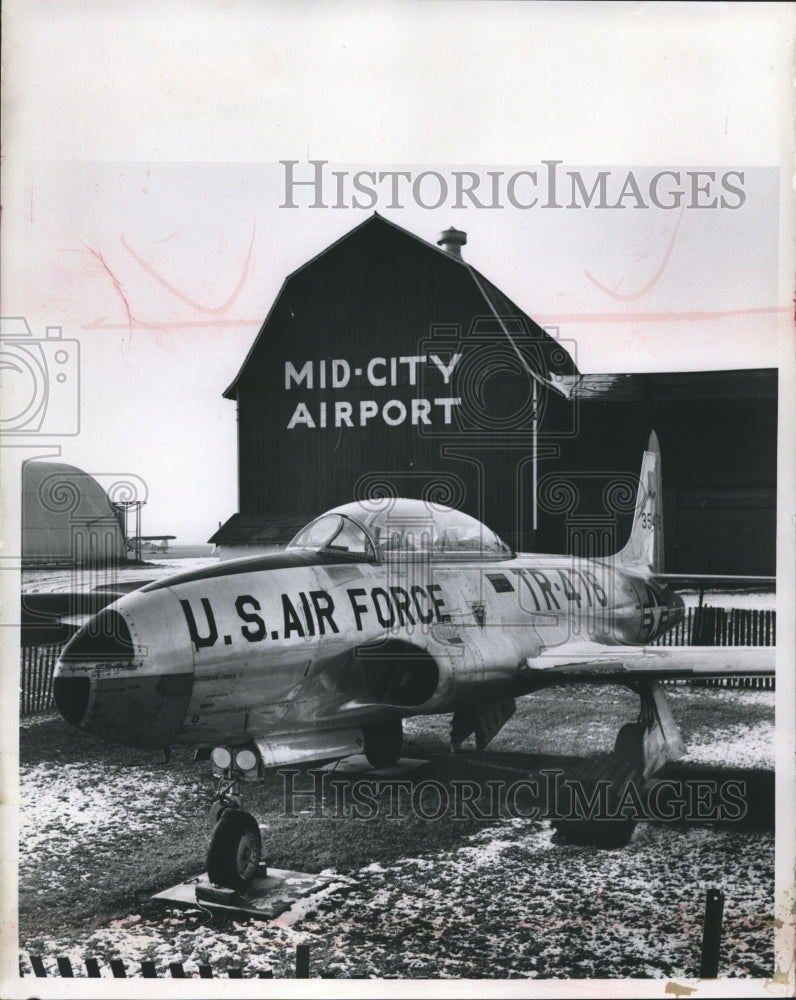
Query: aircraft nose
x=71 y=696
x=119 y=689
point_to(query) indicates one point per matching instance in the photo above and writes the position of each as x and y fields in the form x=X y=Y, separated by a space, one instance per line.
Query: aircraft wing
x=54 y=617
x=594 y=662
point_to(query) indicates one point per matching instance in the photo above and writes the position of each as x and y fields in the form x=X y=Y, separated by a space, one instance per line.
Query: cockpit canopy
x=391 y=528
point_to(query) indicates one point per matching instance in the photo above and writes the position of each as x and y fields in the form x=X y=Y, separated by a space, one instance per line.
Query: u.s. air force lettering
x=377 y=373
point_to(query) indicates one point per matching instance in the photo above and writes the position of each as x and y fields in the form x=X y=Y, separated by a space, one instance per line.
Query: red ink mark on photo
x=632 y=296
x=213 y=310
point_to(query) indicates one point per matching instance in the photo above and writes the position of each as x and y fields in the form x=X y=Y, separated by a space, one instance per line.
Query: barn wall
x=384 y=296
x=718 y=437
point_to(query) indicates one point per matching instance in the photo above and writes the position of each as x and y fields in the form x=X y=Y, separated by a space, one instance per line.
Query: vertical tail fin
x=644 y=549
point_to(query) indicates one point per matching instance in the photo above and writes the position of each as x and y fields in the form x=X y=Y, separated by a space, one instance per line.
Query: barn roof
x=729 y=384
x=260 y=529
x=495 y=302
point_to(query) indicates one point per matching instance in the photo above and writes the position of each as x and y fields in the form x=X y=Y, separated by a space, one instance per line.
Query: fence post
x=711 y=934
x=38 y=966
x=118 y=969
x=24 y=680
x=65 y=967
x=92 y=968
x=302 y=961
x=48 y=697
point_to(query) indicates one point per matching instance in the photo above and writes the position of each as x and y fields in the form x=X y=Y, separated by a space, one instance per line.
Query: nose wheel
x=235 y=848
x=233 y=856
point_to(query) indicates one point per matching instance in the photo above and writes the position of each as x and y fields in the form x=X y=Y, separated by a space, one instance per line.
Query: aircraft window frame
x=345 y=526
x=310 y=543
x=445 y=536
x=450 y=536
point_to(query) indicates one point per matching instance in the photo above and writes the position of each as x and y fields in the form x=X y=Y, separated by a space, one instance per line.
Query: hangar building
x=389 y=366
x=67 y=518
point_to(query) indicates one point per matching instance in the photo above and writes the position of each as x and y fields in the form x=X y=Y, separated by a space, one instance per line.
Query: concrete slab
x=270 y=894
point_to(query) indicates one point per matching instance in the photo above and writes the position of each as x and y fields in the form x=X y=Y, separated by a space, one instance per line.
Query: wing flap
x=593 y=662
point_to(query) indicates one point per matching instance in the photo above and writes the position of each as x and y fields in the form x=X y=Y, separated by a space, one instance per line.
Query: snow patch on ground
x=734 y=746
x=75 y=801
x=739 y=744
x=508 y=902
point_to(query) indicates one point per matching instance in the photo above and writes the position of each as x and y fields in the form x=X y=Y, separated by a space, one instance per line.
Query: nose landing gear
x=233 y=857
x=235 y=848
x=383 y=743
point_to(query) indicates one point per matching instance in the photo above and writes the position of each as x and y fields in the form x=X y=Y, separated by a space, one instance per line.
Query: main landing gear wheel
x=630 y=742
x=383 y=743
x=233 y=856
x=613 y=770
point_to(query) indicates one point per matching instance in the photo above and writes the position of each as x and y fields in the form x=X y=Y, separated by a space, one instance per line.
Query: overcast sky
x=142 y=190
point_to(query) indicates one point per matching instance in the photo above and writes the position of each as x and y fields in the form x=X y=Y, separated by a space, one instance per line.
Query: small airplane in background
x=377 y=611
x=150 y=543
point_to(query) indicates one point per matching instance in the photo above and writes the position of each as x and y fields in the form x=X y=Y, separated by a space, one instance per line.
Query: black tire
x=616 y=769
x=233 y=856
x=630 y=742
x=383 y=743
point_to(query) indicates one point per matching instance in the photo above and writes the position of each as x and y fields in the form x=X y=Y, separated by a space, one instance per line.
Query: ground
x=104 y=828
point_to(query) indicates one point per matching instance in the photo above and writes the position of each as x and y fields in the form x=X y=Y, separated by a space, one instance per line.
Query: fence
x=709 y=626
x=149 y=970
x=38 y=664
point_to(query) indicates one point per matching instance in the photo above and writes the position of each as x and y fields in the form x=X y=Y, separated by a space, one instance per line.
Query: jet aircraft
x=379 y=610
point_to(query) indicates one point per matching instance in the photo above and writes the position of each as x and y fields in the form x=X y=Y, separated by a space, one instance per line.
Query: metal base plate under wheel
x=233 y=856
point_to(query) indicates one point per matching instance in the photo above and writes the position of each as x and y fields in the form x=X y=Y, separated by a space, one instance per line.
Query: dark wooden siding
x=386 y=295
x=718 y=436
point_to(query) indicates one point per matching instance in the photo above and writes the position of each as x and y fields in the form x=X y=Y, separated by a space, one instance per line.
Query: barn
x=390 y=366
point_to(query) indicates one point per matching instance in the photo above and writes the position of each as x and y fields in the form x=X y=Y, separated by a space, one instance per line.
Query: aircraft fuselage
x=300 y=640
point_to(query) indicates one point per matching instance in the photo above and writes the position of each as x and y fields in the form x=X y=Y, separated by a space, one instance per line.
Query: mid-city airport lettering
x=379 y=372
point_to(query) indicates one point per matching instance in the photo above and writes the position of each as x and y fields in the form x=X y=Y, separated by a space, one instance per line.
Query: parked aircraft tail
x=644 y=549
